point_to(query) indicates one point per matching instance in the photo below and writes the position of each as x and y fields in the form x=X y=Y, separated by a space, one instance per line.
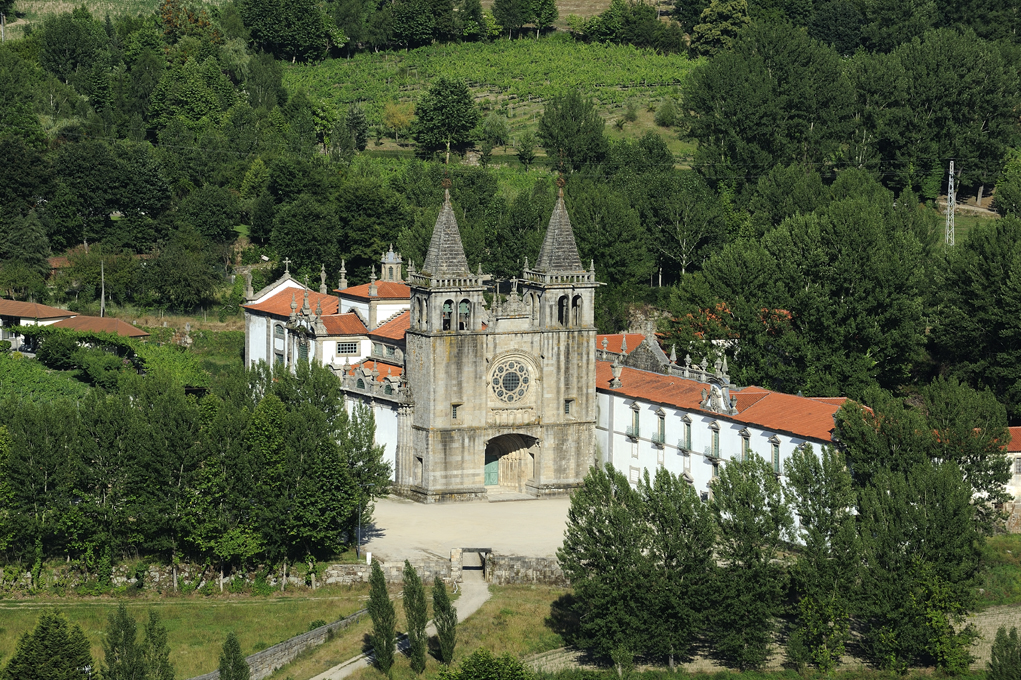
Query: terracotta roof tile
x=395 y=328
x=280 y=304
x=613 y=341
x=32 y=310
x=385 y=290
x=800 y=416
x=106 y=324
x=394 y=371
x=1015 y=440
x=344 y=324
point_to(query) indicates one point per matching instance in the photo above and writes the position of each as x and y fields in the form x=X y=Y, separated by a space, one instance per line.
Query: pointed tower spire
x=559 y=252
x=446 y=253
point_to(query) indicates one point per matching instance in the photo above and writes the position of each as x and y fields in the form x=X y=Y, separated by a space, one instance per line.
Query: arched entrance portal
x=510 y=461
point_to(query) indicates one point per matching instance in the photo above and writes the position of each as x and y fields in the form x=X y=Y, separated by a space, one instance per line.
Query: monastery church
x=518 y=398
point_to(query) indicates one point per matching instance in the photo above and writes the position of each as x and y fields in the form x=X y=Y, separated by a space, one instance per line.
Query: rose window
x=510 y=380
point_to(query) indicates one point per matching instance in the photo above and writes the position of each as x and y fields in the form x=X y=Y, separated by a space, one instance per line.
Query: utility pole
x=951 y=206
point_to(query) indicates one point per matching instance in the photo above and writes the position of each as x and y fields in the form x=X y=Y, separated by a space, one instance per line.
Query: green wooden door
x=492 y=470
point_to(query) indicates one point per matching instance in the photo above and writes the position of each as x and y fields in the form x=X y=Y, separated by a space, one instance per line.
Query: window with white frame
x=746 y=445
x=687 y=434
x=347 y=348
x=715 y=450
x=1017 y=466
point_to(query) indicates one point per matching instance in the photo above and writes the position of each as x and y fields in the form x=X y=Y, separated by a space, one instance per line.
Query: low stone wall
x=262 y=664
x=1013 y=511
x=428 y=571
x=511 y=569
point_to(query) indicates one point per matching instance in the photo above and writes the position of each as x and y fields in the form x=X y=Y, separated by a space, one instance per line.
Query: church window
x=303 y=350
x=448 y=312
x=1017 y=466
x=453 y=410
x=347 y=348
x=390 y=350
x=377 y=349
x=562 y=310
x=716 y=444
x=567 y=406
x=576 y=311
x=278 y=331
x=279 y=357
x=391 y=278
x=360 y=384
x=661 y=427
x=510 y=380
x=716 y=470
x=388 y=389
x=634 y=430
x=746 y=446
x=776 y=456
x=686 y=444
x=464 y=315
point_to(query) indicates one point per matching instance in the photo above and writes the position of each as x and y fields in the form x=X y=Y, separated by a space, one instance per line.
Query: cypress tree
x=384 y=620
x=155 y=649
x=415 y=612
x=445 y=618
x=123 y=659
x=1005 y=659
x=232 y=662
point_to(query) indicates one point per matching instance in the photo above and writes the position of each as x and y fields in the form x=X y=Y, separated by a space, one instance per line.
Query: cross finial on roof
x=287 y=266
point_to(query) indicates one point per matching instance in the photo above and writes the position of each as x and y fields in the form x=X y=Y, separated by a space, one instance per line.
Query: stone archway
x=510 y=461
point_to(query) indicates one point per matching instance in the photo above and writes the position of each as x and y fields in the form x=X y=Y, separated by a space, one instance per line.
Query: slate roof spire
x=559 y=252
x=446 y=253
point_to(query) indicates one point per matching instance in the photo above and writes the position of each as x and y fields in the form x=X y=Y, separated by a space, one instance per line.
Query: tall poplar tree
x=445 y=618
x=416 y=614
x=384 y=621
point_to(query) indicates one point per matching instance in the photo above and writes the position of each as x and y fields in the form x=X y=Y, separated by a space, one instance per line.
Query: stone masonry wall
x=508 y=569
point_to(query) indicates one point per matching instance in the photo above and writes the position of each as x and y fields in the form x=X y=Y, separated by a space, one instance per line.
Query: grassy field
x=196 y=626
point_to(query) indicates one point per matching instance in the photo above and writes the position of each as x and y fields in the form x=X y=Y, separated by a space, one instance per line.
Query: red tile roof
x=385 y=290
x=344 y=324
x=1015 y=440
x=280 y=304
x=106 y=324
x=394 y=371
x=613 y=341
x=800 y=416
x=395 y=328
x=32 y=310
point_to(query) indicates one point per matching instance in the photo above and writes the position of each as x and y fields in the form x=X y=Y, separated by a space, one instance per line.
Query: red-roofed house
x=106 y=324
x=16 y=313
x=1014 y=454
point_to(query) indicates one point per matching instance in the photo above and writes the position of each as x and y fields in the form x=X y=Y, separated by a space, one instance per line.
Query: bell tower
x=504 y=396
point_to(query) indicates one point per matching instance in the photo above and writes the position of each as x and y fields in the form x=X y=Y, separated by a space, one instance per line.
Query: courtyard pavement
x=402 y=529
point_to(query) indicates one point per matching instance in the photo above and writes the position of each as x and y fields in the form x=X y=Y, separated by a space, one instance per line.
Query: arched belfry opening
x=510 y=462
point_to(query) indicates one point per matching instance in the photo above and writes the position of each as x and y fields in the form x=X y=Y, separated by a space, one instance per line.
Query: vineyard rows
x=529 y=70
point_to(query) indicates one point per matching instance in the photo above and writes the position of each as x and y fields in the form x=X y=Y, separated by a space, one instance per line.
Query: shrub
x=666 y=115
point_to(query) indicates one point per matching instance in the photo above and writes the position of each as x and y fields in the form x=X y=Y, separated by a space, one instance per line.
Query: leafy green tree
x=184 y=93
x=124 y=657
x=718 y=26
x=776 y=97
x=299 y=30
x=511 y=14
x=445 y=618
x=1008 y=186
x=182 y=275
x=821 y=494
x=603 y=558
x=688 y=221
x=71 y=43
x=384 y=621
x=213 y=211
x=888 y=24
x=416 y=614
x=1005 y=658
x=53 y=650
x=264 y=83
x=6 y=490
x=369 y=214
x=413 y=22
x=305 y=232
x=526 y=149
x=571 y=132
x=837 y=23
x=232 y=662
x=681 y=547
x=155 y=650
x=752 y=522
x=24 y=240
x=358 y=127
x=545 y=14
x=446 y=117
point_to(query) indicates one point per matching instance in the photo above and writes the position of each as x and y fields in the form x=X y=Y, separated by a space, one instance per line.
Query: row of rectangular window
x=659 y=437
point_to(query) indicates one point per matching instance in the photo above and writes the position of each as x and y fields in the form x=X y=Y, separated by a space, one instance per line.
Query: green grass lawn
x=196 y=626
x=1001 y=580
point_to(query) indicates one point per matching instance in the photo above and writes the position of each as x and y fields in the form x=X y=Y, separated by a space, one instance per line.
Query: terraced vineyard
x=513 y=74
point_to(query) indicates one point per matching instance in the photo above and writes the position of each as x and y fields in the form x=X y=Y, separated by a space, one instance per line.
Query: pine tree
x=155 y=649
x=384 y=620
x=53 y=650
x=1005 y=659
x=358 y=127
x=123 y=655
x=232 y=662
x=445 y=618
x=415 y=612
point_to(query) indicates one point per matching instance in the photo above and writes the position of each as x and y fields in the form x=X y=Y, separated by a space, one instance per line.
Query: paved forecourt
x=402 y=529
